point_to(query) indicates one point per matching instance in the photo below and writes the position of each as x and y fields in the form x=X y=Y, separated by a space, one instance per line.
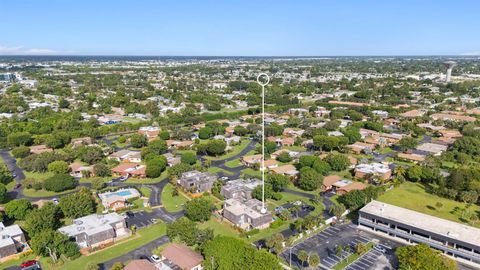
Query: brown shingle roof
x=140 y=265
x=182 y=256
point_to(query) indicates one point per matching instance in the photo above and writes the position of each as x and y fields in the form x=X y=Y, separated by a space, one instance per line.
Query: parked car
x=17 y=186
x=26 y=264
x=55 y=200
x=154 y=258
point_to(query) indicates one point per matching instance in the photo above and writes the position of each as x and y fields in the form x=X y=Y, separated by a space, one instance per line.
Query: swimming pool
x=123 y=193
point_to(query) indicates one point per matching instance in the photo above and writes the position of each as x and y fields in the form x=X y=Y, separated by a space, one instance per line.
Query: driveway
x=142 y=252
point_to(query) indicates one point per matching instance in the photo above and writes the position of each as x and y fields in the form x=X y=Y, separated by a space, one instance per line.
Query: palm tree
x=302 y=256
x=314 y=260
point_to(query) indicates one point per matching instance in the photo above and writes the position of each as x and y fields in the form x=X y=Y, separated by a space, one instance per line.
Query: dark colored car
x=17 y=186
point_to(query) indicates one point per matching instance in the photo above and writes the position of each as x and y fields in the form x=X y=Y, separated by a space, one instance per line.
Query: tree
x=78 y=204
x=6 y=175
x=185 y=230
x=275 y=242
x=423 y=257
x=53 y=243
x=309 y=179
x=414 y=173
x=360 y=248
x=232 y=253
x=322 y=167
x=138 y=140
x=101 y=170
x=164 y=135
x=205 y=133
x=199 y=209
x=337 y=210
x=469 y=197
x=19 y=139
x=407 y=143
x=157 y=147
x=3 y=193
x=338 y=162
x=45 y=218
x=278 y=181
x=240 y=131
x=189 y=158
x=155 y=166
x=18 y=209
x=21 y=152
x=117 y=266
x=90 y=154
x=314 y=260
x=59 y=182
x=176 y=171
x=353 y=134
x=216 y=147
x=98 y=183
x=59 y=167
x=302 y=256
x=284 y=157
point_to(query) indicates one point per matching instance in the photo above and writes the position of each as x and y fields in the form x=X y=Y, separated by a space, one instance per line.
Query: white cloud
x=21 y=50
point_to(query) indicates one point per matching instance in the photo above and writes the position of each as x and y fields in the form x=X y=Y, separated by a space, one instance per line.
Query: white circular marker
x=263 y=79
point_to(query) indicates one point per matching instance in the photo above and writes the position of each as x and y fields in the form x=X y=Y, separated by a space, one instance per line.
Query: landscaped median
x=352 y=258
x=170 y=202
x=142 y=237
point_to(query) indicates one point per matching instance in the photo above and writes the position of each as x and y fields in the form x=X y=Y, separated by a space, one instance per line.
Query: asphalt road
x=12 y=164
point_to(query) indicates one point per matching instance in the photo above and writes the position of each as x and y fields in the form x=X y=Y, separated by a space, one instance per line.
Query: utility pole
x=263 y=79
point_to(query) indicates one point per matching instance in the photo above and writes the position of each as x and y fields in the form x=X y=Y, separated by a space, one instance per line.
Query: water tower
x=449 y=65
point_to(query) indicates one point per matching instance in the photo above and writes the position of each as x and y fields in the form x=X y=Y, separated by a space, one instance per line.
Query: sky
x=240 y=27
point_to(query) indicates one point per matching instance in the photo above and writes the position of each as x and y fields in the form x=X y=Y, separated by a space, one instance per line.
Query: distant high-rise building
x=449 y=65
x=7 y=77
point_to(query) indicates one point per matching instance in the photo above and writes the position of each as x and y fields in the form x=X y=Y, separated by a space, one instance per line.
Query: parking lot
x=141 y=219
x=325 y=244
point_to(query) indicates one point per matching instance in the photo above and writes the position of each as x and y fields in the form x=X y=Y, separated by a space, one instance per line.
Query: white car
x=155 y=258
x=55 y=200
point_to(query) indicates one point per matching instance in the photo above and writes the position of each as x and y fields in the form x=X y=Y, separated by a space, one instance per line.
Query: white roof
x=373 y=168
x=6 y=234
x=425 y=222
x=91 y=224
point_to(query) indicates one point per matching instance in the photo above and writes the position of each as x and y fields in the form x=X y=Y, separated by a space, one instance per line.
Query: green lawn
x=172 y=203
x=233 y=163
x=219 y=228
x=413 y=196
x=44 y=193
x=253 y=173
x=143 y=237
x=17 y=262
x=217 y=170
x=159 y=179
x=37 y=175
x=296 y=148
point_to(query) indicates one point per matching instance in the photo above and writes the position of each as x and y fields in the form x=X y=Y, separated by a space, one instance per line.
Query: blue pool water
x=123 y=193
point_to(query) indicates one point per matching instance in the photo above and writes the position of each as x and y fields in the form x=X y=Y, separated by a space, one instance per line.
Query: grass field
x=37 y=175
x=44 y=193
x=159 y=179
x=413 y=196
x=253 y=173
x=219 y=228
x=233 y=163
x=217 y=170
x=172 y=203
x=142 y=237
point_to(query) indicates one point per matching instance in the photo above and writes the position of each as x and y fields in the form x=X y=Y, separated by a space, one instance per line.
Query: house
x=277 y=153
x=77 y=142
x=179 y=256
x=80 y=170
x=179 y=144
x=197 y=182
x=172 y=160
x=351 y=187
x=239 y=189
x=126 y=155
x=117 y=200
x=411 y=157
x=347 y=103
x=288 y=170
x=328 y=182
x=12 y=240
x=412 y=114
x=290 y=132
x=96 y=230
x=150 y=132
x=270 y=163
x=321 y=112
x=380 y=113
x=288 y=141
x=141 y=264
x=251 y=160
x=450 y=133
x=375 y=169
x=130 y=169
x=453 y=117
x=38 y=149
x=229 y=131
x=359 y=147
x=432 y=148
x=246 y=214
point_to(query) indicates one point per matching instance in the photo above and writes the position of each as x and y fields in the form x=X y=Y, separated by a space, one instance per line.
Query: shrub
x=59 y=182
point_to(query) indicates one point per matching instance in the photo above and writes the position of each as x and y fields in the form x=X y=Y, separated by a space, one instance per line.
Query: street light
x=263 y=79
